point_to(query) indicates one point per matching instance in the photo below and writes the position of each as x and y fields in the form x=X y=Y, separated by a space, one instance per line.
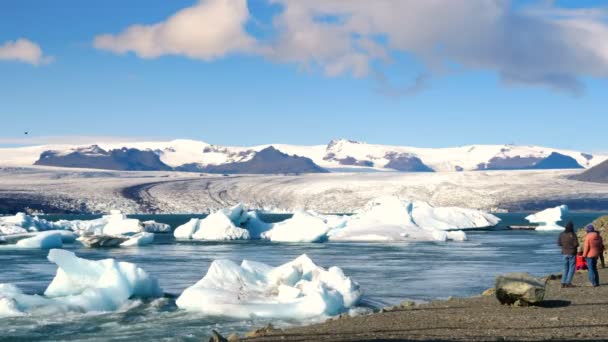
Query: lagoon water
x=388 y=273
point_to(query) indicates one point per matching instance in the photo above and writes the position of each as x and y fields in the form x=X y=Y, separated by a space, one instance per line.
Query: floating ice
x=82 y=285
x=391 y=219
x=296 y=290
x=220 y=225
x=22 y=223
x=548 y=218
x=156 y=227
x=450 y=218
x=43 y=240
x=119 y=224
x=139 y=239
x=302 y=227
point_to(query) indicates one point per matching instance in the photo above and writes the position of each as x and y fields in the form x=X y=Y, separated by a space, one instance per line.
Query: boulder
x=217 y=337
x=489 y=292
x=520 y=289
x=102 y=241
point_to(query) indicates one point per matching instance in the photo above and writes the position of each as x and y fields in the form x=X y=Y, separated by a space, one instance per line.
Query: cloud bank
x=208 y=30
x=25 y=51
x=537 y=45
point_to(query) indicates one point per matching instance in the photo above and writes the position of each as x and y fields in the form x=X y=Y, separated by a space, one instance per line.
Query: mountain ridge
x=339 y=155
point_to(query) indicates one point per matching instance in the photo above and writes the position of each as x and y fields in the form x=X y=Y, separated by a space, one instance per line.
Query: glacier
x=296 y=290
x=81 y=286
x=548 y=218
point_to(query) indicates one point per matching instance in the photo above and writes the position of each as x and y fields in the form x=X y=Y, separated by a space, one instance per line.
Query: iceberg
x=81 y=285
x=220 y=225
x=302 y=227
x=392 y=219
x=22 y=223
x=43 y=240
x=296 y=290
x=156 y=227
x=139 y=239
x=548 y=218
x=451 y=218
x=119 y=224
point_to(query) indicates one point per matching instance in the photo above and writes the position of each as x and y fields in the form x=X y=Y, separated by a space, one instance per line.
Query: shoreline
x=572 y=314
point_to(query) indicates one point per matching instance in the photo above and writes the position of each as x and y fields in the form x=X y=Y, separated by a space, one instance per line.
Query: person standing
x=594 y=247
x=569 y=243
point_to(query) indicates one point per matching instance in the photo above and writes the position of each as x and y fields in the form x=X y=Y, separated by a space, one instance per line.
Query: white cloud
x=25 y=51
x=540 y=45
x=208 y=30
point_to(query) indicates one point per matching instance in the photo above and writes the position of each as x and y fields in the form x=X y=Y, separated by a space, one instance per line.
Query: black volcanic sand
x=579 y=313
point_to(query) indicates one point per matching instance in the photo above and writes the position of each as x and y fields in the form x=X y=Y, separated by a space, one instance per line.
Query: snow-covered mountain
x=338 y=155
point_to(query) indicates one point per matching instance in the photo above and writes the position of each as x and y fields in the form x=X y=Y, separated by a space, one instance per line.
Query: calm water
x=388 y=273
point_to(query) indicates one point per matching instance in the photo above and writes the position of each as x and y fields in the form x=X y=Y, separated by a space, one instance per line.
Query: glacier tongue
x=296 y=290
x=82 y=285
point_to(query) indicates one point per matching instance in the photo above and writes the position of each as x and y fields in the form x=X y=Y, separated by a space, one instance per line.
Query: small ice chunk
x=139 y=239
x=156 y=227
x=43 y=240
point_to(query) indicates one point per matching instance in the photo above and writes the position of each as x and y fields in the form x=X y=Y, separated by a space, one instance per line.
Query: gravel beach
x=579 y=313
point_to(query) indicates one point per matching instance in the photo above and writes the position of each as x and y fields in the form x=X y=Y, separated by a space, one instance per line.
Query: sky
x=430 y=73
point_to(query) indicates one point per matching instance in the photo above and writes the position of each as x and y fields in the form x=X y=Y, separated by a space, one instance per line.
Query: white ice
x=156 y=227
x=42 y=240
x=301 y=227
x=23 y=223
x=139 y=239
x=392 y=219
x=81 y=285
x=296 y=290
x=548 y=218
x=220 y=225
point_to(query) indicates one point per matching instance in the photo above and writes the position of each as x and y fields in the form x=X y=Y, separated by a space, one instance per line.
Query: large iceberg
x=296 y=290
x=81 y=285
x=301 y=227
x=116 y=223
x=548 y=218
x=221 y=225
x=382 y=219
x=392 y=219
x=43 y=240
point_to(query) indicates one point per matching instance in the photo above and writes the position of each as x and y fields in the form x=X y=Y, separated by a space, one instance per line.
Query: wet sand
x=579 y=313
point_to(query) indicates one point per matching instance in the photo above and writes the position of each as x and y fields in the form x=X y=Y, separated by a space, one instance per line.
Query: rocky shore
x=579 y=313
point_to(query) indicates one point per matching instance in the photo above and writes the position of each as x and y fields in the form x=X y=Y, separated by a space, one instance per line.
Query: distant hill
x=268 y=160
x=94 y=157
x=596 y=174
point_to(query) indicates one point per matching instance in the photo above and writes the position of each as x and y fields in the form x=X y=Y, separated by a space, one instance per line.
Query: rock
x=217 y=337
x=233 y=337
x=102 y=241
x=261 y=331
x=407 y=304
x=519 y=289
x=489 y=292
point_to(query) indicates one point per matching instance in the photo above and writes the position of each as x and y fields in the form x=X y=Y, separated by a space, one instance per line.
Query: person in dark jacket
x=569 y=243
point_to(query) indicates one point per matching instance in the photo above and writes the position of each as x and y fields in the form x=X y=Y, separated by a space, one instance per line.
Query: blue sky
x=268 y=89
